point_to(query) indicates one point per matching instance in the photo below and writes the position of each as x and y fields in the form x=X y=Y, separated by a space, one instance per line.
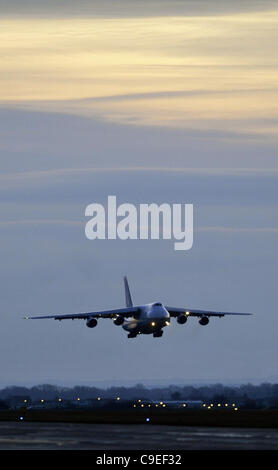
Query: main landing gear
x=132 y=335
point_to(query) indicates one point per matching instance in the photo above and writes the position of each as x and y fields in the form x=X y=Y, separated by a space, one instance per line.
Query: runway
x=74 y=436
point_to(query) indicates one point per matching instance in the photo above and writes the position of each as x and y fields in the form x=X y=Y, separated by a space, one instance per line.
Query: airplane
x=142 y=319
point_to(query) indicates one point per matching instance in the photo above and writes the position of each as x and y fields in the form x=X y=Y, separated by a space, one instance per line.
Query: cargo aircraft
x=142 y=319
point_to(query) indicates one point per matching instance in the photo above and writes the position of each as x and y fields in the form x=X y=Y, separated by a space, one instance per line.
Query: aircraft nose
x=160 y=312
x=166 y=313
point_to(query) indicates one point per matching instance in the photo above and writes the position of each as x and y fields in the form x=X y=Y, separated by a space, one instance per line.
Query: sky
x=158 y=101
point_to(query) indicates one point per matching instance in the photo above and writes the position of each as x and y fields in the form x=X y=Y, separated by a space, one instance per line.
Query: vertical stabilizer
x=128 y=299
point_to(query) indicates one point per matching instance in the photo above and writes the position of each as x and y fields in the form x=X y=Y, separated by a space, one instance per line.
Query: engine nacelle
x=182 y=319
x=204 y=321
x=91 y=322
x=119 y=320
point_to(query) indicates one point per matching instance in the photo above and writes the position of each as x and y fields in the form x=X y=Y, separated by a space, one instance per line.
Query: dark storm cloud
x=129 y=8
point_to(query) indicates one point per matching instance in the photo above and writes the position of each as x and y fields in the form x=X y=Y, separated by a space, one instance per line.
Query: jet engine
x=204 y=321
x=182 y=319
x=119 y=320
x=91 y=322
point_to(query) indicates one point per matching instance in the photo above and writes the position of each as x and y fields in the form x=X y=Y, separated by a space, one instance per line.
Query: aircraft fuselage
x=152 y=318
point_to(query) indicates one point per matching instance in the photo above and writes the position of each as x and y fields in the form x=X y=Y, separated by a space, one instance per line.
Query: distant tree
x=3 y=405
x=219 y=398
x=176 y=395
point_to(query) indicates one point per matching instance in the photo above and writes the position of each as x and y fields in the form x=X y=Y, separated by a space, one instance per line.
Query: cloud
x=241 y=230
x=177 y=91
x=214 y=75
x=128 y=8
x=79 y=224
x=75 y=172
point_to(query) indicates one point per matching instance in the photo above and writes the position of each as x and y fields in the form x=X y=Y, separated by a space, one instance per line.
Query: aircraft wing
x=176 y=311
x=125 y=312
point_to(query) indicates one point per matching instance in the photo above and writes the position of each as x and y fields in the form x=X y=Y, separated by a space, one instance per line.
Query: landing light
x=187 y=313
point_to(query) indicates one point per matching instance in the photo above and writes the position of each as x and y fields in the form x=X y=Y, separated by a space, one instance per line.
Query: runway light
x=233 y=404
x=153 y=323
x=219 y=404
x=98 y=398
x=147 y=419
x=21 y=418
x=167 y=323
x=134 y=406
x=187 y=313
x=78 y=399
x=184 y=405
x=118 y=398
x=60 y=399
x=204 y=404
x=226 y=404
x=42 y=401
x=142 y=406
x=235 y=408
x=156 y=405
x=208 y=407
x=161 y=403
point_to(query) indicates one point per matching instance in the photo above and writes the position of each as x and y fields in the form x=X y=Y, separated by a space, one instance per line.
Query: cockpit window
x=157 y=304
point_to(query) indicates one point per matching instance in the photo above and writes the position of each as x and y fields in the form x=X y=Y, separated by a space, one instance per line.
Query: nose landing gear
x=158 y=334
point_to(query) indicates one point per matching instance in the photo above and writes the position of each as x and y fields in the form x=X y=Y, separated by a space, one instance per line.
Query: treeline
x=215 y=392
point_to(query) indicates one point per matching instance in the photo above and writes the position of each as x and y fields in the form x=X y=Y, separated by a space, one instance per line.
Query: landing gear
x=158 y=334
x=132 y=335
